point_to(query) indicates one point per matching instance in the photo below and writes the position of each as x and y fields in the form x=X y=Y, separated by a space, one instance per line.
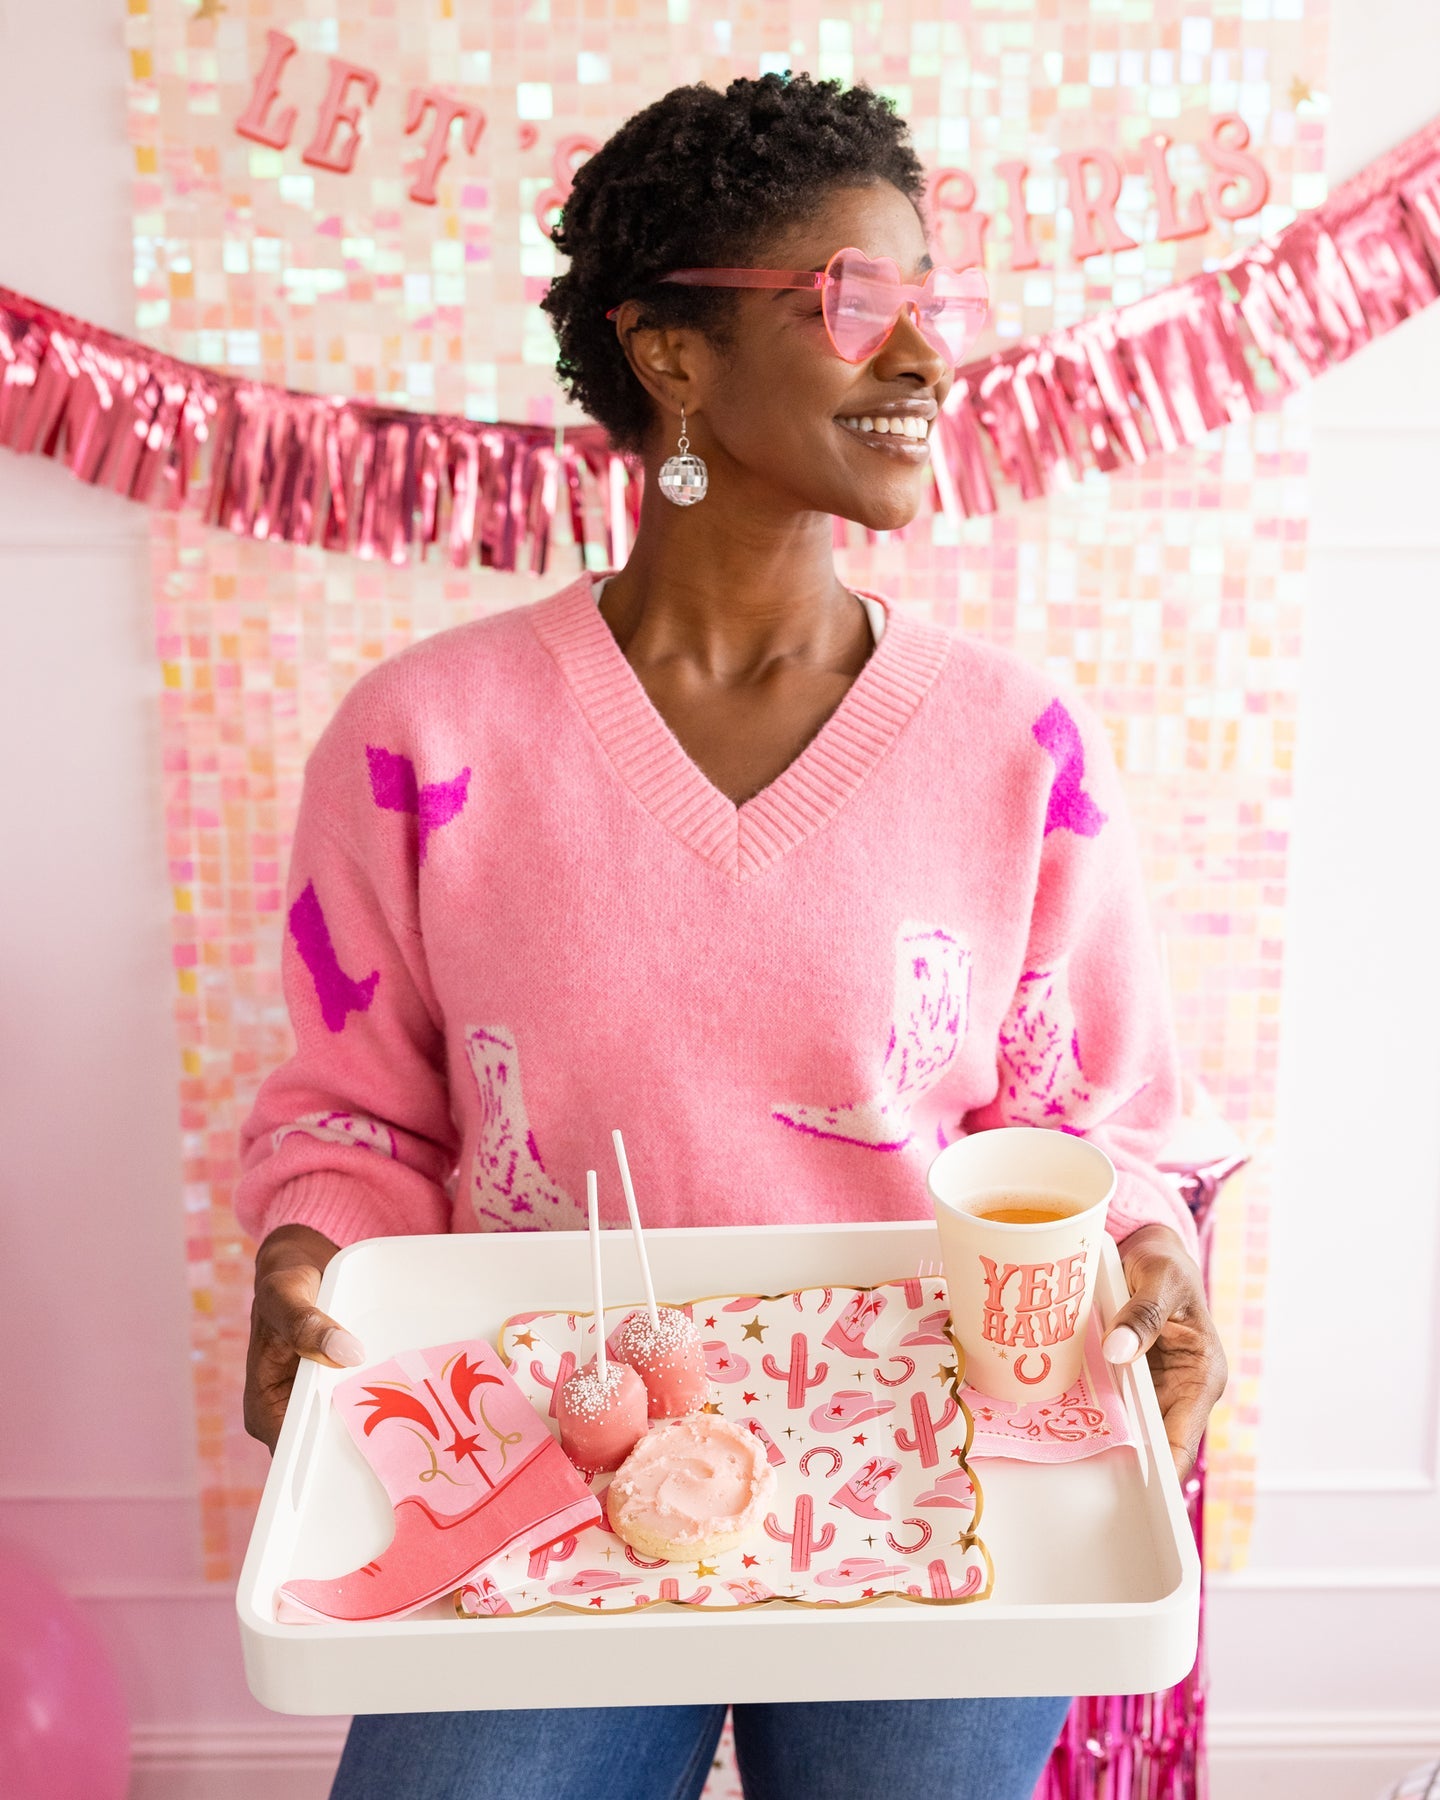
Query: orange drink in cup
x=1021 y=1217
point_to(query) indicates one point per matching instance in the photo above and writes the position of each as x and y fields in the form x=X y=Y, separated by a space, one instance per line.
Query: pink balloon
x=64 y=1734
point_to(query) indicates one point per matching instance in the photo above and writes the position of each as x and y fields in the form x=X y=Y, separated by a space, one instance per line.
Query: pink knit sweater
x=519 y=915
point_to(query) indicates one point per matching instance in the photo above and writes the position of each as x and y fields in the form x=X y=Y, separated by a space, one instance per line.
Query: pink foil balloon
x=64 y=1734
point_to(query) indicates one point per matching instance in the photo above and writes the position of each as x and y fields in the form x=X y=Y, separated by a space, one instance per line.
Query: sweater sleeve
x=353 y=1135
x=1088 y=1044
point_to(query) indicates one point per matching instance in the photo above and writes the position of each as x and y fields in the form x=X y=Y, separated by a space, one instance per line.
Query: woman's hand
x=1167 y=1316
x=286 y=1324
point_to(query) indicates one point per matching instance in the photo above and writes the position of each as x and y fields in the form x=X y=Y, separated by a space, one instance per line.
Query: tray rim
x=258 y=1626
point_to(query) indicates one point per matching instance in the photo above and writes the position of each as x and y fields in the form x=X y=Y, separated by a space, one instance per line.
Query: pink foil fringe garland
x=378 y=482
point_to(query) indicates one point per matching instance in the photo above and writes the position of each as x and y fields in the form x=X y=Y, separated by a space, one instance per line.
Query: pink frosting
x=692 y=1479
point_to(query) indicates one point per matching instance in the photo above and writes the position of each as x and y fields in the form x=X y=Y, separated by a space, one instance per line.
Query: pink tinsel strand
x=264 y=462
x=378 y=482
x=1161 y=373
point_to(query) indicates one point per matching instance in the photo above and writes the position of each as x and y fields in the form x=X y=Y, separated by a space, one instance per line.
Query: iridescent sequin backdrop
x=1172 y=594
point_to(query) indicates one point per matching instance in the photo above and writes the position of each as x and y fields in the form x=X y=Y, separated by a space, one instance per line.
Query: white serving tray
x=1097 y=1581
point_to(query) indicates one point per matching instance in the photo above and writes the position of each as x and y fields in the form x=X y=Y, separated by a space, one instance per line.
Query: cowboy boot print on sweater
x=339 y=994
x=395 y=787
x=342 y=1128
x=931 y=1013
x=1042 y=1079
x=1070 y=806
x=508 y=1183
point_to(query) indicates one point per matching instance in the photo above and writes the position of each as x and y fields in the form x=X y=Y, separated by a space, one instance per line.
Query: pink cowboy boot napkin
x=470 y=1469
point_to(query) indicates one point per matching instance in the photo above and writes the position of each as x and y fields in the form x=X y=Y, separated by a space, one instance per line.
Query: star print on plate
x=930 y=1016
x=853 y=1451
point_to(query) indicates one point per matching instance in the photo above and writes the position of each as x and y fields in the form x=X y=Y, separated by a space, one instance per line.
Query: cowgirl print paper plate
x=855 y=1394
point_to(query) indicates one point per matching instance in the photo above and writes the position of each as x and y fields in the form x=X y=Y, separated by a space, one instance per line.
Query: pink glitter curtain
x=1171 y=593
x=386 y=484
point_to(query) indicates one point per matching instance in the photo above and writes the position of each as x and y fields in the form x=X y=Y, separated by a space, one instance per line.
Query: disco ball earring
x=684 y=478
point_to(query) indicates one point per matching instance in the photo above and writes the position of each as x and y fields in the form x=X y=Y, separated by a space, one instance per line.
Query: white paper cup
x=1021 y=1294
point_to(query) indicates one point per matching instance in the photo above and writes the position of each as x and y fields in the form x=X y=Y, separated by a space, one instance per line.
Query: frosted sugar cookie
x=691 y=1488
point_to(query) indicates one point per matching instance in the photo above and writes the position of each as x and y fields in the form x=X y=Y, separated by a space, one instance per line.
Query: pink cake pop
x=659 y=1343
x=601 y=1417
x=601 y=1411
x=669 y=1358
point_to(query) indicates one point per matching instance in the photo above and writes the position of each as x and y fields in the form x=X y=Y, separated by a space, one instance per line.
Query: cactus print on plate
x=869 y=1442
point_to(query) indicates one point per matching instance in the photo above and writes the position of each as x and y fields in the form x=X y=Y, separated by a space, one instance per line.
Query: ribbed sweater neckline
x=744 y=840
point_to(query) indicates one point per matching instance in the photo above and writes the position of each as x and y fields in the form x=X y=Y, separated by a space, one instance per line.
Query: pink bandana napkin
x=1090 y=1417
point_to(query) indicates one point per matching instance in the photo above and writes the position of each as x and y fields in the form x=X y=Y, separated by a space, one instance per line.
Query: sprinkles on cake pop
x=589 y=1394
x=662 y=1343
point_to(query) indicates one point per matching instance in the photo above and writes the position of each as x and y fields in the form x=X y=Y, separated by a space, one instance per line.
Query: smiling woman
x=793 y=886
x=769 y=404
x=729 y=255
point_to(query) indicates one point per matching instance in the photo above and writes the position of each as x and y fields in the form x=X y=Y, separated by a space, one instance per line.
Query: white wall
x=97 y=1464
x=1326 y=1650
x=1323 y=1683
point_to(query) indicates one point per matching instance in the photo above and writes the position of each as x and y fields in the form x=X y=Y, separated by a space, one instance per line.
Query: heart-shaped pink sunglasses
x=863 y=297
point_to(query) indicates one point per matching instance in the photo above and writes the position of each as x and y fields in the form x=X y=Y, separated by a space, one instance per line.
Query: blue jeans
x=836 y=1750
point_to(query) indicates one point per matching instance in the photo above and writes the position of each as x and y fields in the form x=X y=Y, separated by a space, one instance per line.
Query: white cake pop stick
x=592 y=1202
x=629 y=1188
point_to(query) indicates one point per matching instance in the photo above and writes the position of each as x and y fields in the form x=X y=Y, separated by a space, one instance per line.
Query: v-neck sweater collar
x=742 y=841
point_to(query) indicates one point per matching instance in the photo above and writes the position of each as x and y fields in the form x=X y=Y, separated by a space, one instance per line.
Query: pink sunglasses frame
x=907 y=294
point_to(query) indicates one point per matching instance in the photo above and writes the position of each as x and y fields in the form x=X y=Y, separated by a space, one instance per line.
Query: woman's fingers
x=1167 y=1317
x=1188 y=1397
x=286 y=1325
x=285 y=1303
x=269 y=1377
x=1157 y=1286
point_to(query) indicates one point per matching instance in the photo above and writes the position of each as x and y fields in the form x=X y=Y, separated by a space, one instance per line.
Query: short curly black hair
x=702 y=178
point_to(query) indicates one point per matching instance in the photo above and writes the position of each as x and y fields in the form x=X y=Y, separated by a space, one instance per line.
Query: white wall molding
x=1284 y=1756
x=120 y=1591
x=285 y=1759
x=1268 y=1579
x=281 y=1743
x=123 y=1495
x=1359 y=1482
x=1323 y=1734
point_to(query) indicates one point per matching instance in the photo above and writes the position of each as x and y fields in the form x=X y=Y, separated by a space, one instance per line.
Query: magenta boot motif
x=858 y=1494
